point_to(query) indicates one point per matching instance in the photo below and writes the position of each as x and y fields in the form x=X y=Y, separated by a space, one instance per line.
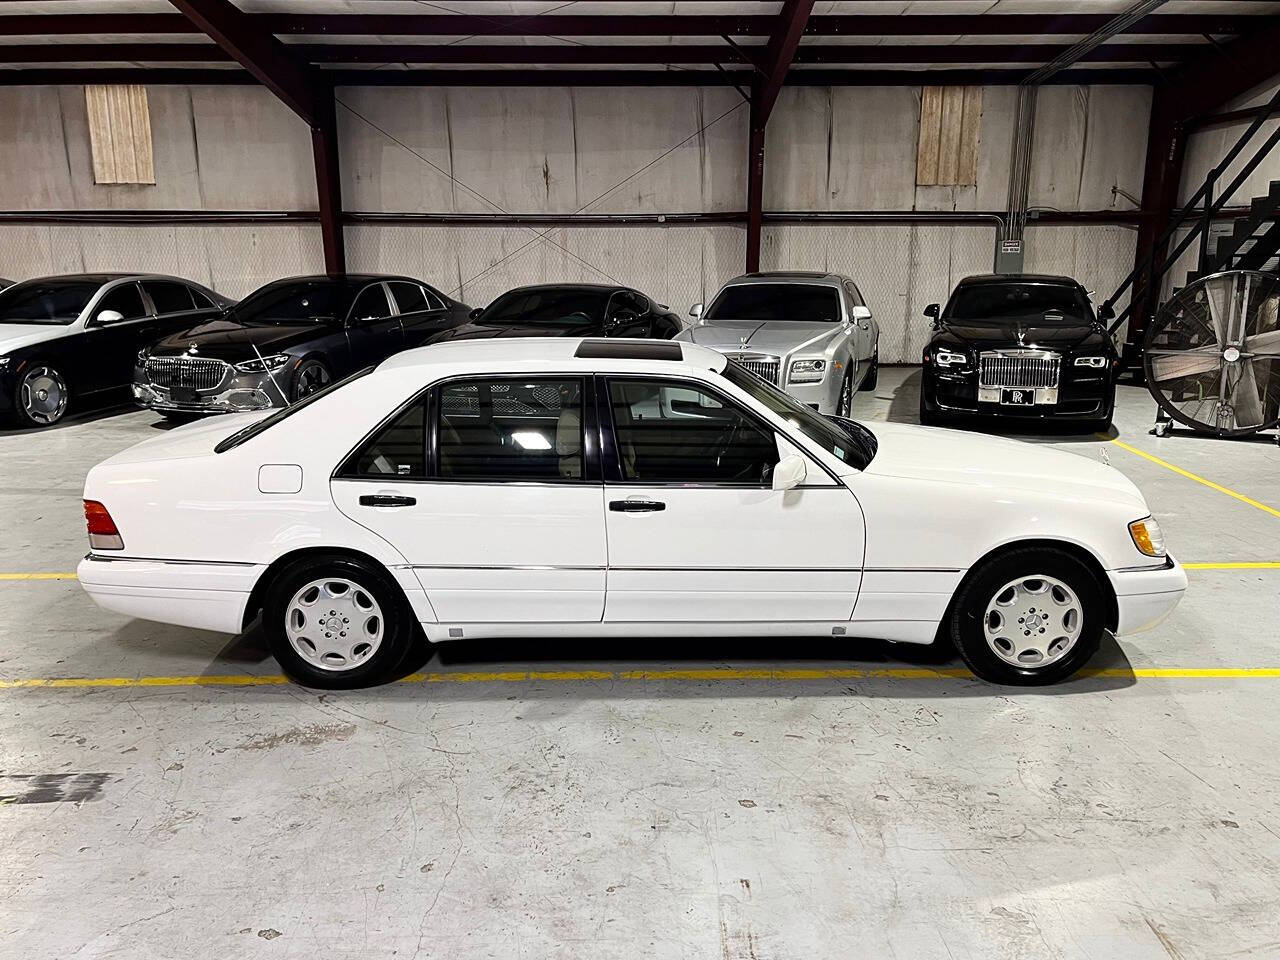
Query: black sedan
x=288 y=339
x=1019 y=345
x=569 y=310
x=69 y=342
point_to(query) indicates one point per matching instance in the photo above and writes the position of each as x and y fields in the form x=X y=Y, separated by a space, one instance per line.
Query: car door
x=487 y=488
x=696 y=532
x=373 y=329
x=422 y=311
x=864 y=330
x=110 y=347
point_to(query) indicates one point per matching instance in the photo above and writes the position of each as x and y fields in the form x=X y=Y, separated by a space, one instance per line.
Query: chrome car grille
x=766 y=368
x=1007 y=369
x=197 y=372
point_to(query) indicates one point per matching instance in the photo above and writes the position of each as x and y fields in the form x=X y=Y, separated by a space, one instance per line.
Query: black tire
x=32 y=413
x=968 y=612
x=312 y=375
x=845 y=402
x=869 y=381
x=928 y=418
x=399 y=627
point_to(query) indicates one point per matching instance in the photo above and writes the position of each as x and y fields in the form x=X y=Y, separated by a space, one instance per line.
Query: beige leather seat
x=569 y=444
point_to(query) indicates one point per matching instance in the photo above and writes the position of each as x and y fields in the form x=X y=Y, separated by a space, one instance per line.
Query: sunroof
x=629 y=350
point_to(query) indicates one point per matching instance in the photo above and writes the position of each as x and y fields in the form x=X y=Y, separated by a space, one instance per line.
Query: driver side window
x=125 y=300
x=370 y=306
x=673 y=432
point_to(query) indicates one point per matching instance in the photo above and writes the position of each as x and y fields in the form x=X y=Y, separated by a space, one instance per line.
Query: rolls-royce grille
x=766 y=368
x=1002 y=370
x=184 y=371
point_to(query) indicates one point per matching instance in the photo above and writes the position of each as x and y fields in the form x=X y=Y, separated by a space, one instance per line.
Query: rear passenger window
x=169 y=297
x=510 y=429
x=410 y=297
x=398 y=450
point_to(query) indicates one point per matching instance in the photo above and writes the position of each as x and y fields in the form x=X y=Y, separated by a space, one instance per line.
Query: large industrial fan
x=1212 y=355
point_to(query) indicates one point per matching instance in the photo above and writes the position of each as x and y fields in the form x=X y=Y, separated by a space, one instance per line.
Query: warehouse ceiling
x=612 y=41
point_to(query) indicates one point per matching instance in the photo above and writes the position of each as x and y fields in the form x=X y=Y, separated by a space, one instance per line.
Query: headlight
x=1147 y=537
x=1096 y=362
x=949 y=358
x=807 y=371
x=264 y=364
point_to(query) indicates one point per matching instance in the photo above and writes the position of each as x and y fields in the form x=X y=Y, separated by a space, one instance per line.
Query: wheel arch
x=257 y=596
x=1075 y=550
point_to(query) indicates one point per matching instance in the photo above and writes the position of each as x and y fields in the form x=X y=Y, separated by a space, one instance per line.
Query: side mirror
x=861 y=313
x=108 y=317
x=789 y=472
x=932 y=311
x=1106 y=312
x=475 y=314
x=695 y=311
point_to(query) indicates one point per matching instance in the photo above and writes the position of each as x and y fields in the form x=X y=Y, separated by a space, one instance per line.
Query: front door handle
x=637 y=506
x=386 y=500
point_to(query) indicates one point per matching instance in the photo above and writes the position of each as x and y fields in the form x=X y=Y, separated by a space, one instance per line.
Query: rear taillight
x=103 y=534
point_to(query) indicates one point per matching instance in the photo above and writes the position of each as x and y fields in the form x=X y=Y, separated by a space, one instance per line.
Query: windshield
x=999 y=302
x=803 y=302
x=266 y=423
x=45 y=301
x=296 y=301
x=846 y=439
x=549 y=308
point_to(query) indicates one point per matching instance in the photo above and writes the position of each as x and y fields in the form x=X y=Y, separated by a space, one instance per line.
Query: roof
x=107 y=277
x=987 y=278
x=788 y=276
x=585 y=287
x=552 y=353
x=524 y=43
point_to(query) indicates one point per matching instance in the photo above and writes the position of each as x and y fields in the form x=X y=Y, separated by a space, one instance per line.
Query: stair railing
x=1203 y=203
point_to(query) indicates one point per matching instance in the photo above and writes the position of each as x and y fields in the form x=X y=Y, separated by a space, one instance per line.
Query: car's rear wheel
x=1029 y=617
x=337 y=622
x=309 y=378
x=41 y=396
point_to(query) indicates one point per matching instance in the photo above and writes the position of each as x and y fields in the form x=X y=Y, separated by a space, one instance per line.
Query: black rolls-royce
x=569 y=310
x=69 y=342
x=1019 y=345
x=288 y=339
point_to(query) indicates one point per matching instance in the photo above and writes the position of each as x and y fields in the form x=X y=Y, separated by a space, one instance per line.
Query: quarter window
x=398 y=450
x=510 y=429
x=672 y=432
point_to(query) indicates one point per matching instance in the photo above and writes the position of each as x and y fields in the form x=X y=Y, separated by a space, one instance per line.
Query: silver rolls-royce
x=809 y=333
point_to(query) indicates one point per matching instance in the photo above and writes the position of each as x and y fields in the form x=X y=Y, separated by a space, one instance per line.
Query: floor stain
x=308 y=735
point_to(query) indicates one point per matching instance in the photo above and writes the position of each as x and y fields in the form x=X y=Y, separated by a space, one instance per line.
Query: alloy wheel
x=1033 y=621
x=311 y=378
x=334 y=624
x=43 y=395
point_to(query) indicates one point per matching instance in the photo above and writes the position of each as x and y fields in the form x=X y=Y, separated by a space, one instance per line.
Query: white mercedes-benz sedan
x=614 y=488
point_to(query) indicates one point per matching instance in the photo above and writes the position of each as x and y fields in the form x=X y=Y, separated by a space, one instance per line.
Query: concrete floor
x=485 y=814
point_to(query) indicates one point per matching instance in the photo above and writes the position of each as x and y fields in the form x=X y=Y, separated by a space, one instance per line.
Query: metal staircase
x=1254 y=241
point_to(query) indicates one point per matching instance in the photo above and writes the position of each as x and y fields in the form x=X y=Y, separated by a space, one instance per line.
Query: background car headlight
x=949 y=358
x=264 y=364
x=1098 y=362
x=807 y=371
x=1147 y=537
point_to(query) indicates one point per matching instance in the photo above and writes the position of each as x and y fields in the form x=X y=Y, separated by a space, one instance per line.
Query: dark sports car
x=288 y=339
x=569 y=310
x=69 y=342
x=1019 y=345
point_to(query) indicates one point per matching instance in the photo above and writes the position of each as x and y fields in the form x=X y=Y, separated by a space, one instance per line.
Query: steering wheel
x=727 y=440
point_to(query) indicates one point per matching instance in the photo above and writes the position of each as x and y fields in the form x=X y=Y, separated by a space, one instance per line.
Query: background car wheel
x=869 y=381
x=845 y=403
x=1030 y=617
x=337 y=622
x=311 y=376
x=40 y=397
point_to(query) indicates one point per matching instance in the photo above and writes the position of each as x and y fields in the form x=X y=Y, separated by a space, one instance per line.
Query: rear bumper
x=1144 y=597
x=206 y=596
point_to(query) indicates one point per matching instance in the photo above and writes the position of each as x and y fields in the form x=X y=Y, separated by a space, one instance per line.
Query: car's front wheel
x=845 y=404
x=337 y=622
x=1029 y=617
x=311 y=377
x=41 y=396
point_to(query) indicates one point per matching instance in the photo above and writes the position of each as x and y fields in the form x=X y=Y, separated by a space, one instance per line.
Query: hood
x=958 y=456
x=227 y=339
x=473 y=330
x=189 y=440
x=773 y=336
x=15 y=335
x=1029 y=332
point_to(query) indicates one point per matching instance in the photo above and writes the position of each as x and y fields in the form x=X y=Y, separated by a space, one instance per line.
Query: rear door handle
x=637 y=506
x=386 y=500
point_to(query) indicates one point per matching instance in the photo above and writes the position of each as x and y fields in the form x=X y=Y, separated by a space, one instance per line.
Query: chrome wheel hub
x=43 y=395
x=334 y=624
x=1033 y=621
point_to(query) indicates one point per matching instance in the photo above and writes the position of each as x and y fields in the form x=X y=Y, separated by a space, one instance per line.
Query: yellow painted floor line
x=708 y=674
x=1249 y=565
x=1197 y=478
x=38 y=576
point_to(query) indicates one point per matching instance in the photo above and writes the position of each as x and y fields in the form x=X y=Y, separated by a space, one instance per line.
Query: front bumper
x=238 y=393
x=1146 y=595
x=1078 y=396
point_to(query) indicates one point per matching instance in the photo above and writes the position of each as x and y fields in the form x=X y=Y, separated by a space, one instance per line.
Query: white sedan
x=614 y=488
